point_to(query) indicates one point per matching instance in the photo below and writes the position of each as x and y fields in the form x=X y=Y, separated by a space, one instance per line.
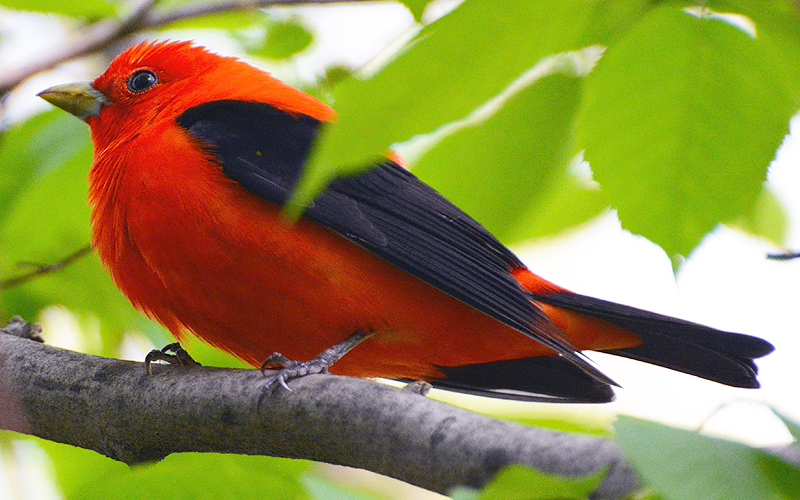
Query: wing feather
x=385 y=209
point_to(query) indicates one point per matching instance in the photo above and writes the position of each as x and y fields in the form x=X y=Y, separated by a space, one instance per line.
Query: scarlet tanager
x=194 y=156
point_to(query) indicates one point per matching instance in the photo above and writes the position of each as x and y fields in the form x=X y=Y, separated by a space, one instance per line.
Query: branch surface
x=115 y=408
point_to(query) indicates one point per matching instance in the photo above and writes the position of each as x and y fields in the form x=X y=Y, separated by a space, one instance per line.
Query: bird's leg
x=289 y=369
x=179 y=358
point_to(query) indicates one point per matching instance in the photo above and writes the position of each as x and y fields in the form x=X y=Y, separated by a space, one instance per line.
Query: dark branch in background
x=93 y=38
x=189 y=11
x=100 y=35
x=783 y=256
x=115 y=408
x=41 y=269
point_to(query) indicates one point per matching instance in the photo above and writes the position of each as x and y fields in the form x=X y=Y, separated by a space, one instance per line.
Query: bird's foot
x=20 y=328
x=179 y=358
x=288 y=369
x=418 y=387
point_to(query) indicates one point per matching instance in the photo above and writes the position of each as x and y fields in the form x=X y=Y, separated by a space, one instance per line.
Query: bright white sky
x=726 y=283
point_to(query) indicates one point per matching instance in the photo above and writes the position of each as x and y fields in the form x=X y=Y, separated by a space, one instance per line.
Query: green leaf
x=282 y=40
x=794 y=427
x=417 y=7
x=27 y=153
x=684 y=465
x=570 y=203
x=90 y=9
x=76 y=468
x=323 y=489
x=519 y=482
x=767 y=218
x=86 y=475
x=454 y=65
x=48 y=219
x=681 y=119
x=778 y=29
x=497 y=169
x=609 y=20
x=571 y=423
x=202 y=352
x=233 y=21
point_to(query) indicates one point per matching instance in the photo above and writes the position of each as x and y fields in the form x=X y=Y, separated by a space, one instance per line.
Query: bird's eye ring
x=141 y=80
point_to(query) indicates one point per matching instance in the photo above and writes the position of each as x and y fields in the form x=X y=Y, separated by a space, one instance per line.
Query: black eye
x=141 y=80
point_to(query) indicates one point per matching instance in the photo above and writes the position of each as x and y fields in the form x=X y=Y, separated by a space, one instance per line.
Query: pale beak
x=80 y=99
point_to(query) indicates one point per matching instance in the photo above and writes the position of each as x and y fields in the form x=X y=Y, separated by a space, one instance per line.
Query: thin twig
x=99 y=35
x=157 y=19
x=783 y=256
x=94 y=37
x=46 y=268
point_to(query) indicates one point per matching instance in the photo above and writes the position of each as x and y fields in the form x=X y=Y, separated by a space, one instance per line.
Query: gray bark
x=115 y=408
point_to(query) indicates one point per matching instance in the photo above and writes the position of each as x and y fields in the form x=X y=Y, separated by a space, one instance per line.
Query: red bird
x=195 y=154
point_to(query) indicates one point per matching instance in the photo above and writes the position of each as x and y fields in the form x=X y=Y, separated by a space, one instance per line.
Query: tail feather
x=543 y=379
x=681 y=345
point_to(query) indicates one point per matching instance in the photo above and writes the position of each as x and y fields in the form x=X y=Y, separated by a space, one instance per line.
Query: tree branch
x=41 y=269
x=783 y=256
x=115 y=408
x=99 y=35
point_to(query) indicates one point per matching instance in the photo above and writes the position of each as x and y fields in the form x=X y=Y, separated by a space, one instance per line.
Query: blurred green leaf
x=233 y=20
x=333 y=76
x=572 y=424
x=203 y=353
x=48 y=219
x=196 y=476
x=281 y=40
x=90 y=9
x=86 y=475
x=767 y=218
x=569 y=204
x=454 y=65
x=77 y=469
x=778 y=30
x=27 y=152
x=684 y=465
x=681 y=119
x=518 y=482
x=794 y=427
x=497 y=169
x=323 y=489
x=417 y=7
x=610 y=20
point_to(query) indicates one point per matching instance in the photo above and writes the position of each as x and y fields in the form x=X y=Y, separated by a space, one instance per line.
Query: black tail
x=673 y=343
x=543 y=378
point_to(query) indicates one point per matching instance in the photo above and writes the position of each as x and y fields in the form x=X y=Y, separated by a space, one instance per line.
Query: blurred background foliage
x=677 y=107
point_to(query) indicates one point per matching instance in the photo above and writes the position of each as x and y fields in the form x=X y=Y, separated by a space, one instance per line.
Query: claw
x=180 y=358
x=277 y=360
x=20 y=328
x=289 y=369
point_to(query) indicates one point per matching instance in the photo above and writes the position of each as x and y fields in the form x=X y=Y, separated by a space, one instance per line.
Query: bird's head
x=154 y=81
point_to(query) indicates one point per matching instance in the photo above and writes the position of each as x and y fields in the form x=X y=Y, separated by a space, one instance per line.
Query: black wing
x=385 y=209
